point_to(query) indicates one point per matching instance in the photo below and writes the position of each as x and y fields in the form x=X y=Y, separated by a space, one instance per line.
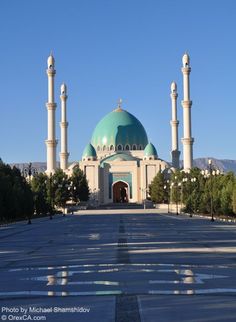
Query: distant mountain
x=201 y=163
x=222 y=165
x=36 y=166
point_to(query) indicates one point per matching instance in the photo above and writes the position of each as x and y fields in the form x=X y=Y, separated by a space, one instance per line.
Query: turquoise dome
x=119 y=127
x=150 y=150
x=89 y=151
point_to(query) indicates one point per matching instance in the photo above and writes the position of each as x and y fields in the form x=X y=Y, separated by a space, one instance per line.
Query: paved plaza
x=119 y=265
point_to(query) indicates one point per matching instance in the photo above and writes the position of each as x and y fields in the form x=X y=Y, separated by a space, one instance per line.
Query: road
x=119 y=265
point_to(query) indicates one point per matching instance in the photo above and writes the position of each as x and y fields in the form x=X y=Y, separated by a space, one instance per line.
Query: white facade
x=136 y=173
x=175 y=153
x=64 y=125
x=120 y=162
x=187 y=140
x=51 y=142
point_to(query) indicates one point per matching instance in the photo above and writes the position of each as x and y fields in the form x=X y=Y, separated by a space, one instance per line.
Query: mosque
x=119 y=161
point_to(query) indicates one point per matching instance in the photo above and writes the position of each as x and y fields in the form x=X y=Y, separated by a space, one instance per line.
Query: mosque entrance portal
x=120 y=192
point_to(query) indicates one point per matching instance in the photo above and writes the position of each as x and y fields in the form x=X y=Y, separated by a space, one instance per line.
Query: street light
x=211 y=188
x=184 y=180
x=175 y=184
x=51 y=199
x=193 y=180
x=143 y=190
x=209 y=174
x=179 y=185
x=167 y=189
x=28 y=172
x=71 y=189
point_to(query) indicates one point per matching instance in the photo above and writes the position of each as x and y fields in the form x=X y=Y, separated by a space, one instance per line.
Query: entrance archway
x=120 y=192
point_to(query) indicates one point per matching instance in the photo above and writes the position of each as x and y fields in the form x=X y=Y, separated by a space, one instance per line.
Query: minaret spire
x=175 y=153
x=187 y=103
x=51 y=142
x=64 y=125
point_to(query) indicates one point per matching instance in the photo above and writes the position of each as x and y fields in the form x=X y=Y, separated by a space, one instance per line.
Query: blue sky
x=107 y=49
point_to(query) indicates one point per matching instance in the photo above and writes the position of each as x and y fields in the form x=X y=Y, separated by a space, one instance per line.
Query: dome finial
x=51 y=61
x=119 y=104
x=186 y=60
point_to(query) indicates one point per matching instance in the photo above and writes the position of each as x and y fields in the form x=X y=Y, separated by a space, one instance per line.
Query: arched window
x=134 y=147
x=140 y=147
x=104 y=148
x=127 y=147
x=98 y=148
x=119 y=147
x=111 y=147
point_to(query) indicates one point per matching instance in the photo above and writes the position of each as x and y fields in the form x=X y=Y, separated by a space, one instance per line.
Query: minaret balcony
x=51 y=106
x=51 y=72
x=63 y=97
x=186 y=70
x=186 y=104
x=51 y=143
x=174 y=122
x=187 y=141
x=64 y=124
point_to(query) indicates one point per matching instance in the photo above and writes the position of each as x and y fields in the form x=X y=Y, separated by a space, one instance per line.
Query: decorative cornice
x=186 y=70
x=51 y=143
x=174 y=95
x=63 y=97
x=51 y=72
x=51 y=106
x=64 y=155
x=175 y=153
x=174 y=123
x=186 y=104
x=64 y=124
x=187 y=141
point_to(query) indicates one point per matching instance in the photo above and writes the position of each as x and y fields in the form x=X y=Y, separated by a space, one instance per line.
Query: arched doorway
x=120 y=192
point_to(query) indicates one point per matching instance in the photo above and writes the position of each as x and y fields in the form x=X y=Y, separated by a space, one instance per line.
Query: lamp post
x=167 y=189
x=211 y=188
x=94 y=196
x=175 y=193
x=210 y=174
x=143 y=191
x=51 y=198
x=184 y=180
x=71 y=188
x=177 y=185
x=192 y=190
x=28 y=172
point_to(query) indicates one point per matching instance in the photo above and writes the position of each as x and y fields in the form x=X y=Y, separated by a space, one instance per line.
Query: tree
x=226 y=190
x=176 y=187
x=80 y=188
x=16 y=198
x=59 y=187
x=234 y=198
x=156 y=188
x=193 y=191
x=39 y=188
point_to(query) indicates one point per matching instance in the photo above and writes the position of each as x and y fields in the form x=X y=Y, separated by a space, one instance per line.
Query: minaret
x=187 y=140
x=175 y=153
x=64 y=125
x=51 y=142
